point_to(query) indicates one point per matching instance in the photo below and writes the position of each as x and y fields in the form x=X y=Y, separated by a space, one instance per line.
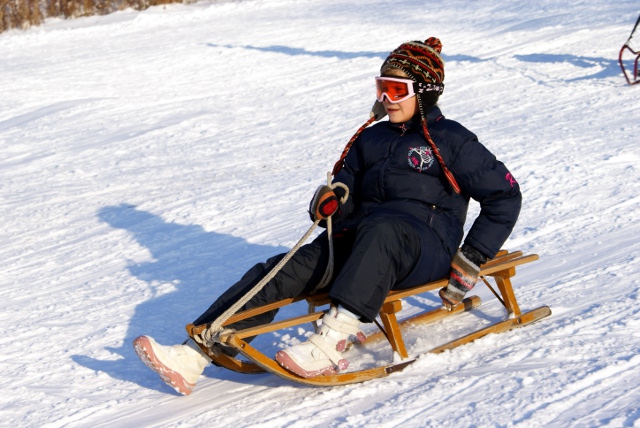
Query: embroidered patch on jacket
x=420 y=158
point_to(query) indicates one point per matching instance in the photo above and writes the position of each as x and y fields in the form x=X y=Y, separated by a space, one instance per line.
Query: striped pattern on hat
x=419 y=60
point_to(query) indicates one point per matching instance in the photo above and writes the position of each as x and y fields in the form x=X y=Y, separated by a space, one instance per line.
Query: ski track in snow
x=149 y=158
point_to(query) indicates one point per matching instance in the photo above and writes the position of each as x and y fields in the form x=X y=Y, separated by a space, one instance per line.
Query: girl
x=410 y=180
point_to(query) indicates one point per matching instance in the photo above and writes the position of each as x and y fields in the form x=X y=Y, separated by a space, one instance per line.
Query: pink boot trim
x=145 y=351
x=285 y=361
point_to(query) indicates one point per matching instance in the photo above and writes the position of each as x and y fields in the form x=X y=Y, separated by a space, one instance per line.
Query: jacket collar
x=433 y=115
x=413 y=124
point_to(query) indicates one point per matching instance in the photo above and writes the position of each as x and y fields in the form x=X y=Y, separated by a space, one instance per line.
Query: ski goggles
x=397 y=89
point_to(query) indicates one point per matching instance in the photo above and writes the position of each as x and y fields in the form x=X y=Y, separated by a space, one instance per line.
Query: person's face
x=403 y=111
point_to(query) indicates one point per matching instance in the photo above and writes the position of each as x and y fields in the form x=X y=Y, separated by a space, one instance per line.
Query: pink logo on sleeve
x=510 y=179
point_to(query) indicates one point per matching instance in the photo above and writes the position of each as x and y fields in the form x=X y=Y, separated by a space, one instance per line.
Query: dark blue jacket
x=391 y=167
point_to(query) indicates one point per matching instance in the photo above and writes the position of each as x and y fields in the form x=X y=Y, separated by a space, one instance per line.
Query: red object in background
x=625 y=47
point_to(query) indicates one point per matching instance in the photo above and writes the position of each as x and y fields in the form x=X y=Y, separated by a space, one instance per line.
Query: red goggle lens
x=395 y=89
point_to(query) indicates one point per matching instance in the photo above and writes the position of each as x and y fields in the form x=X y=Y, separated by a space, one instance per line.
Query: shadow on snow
x=190 y=267
x=606 y=67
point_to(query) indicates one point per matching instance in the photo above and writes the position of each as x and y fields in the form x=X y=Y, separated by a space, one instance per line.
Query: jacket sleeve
x=350 y=176
x=488 y=181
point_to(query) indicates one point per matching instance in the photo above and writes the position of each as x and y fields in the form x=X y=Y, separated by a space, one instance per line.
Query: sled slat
x=490 y=270
x=501 y=258
x=401 y=294
x=275 y=326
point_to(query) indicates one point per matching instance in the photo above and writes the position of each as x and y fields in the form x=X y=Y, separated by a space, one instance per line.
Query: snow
x=149 y=158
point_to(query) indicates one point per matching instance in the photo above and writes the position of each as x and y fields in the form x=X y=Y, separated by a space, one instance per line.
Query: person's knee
x=390 y=232
x=382 y=226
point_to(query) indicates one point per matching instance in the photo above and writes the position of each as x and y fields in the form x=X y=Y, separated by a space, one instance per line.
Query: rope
x=212 y=333
x=328 y=273
x=633 y=31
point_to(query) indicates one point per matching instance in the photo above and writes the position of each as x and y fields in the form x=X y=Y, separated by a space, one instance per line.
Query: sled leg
x=390 y=322
x=506 y=289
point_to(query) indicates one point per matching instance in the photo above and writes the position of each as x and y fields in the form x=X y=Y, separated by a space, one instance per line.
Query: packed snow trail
x=149 y=158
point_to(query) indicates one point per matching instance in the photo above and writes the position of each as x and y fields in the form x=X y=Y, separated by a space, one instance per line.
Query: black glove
x=324 y=203
x=465 y=268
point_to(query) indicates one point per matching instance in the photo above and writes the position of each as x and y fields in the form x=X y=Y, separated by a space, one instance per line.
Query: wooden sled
x=502 y=268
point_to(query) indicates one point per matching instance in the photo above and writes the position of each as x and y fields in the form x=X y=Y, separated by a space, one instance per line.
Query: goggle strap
x=419 y=87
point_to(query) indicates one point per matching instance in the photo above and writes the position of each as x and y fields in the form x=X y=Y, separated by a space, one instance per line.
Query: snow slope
x=149 y=158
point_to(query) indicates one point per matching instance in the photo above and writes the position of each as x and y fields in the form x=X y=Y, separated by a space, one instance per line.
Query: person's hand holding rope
x=324 y=204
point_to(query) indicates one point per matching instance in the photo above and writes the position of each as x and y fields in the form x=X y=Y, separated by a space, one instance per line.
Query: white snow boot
x=322 y=353
x=179 y=366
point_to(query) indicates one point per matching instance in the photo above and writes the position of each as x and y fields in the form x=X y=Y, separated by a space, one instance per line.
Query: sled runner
x=633 y=76
x=502 y=268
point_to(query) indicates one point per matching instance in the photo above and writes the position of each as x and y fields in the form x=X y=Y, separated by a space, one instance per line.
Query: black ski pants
x=381 y=253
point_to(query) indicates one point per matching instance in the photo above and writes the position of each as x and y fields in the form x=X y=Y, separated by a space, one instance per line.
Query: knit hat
x=420 y=61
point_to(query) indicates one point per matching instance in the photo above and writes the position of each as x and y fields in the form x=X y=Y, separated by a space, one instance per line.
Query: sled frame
x=625 y=47
x=501 y=268
x=632 y=77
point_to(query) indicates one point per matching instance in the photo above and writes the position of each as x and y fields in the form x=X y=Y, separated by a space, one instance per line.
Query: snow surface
x=149 y=158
